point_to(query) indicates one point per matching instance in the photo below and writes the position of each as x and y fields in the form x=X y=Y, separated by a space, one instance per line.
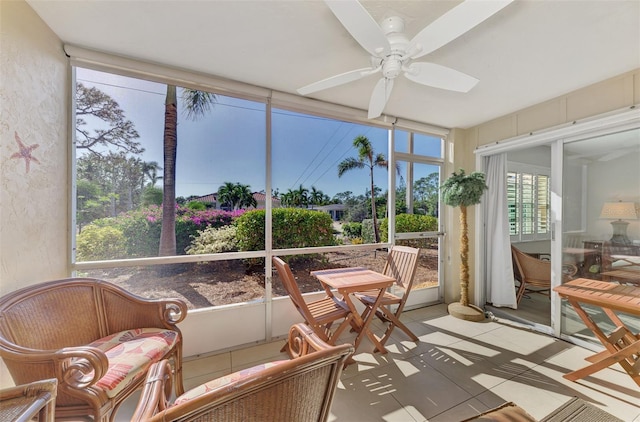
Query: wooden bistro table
x=351 y=280
x=622 y=275
x=622 y=345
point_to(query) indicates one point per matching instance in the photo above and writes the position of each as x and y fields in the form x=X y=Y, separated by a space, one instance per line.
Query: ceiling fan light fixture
x=392 y=52
x=392 y=67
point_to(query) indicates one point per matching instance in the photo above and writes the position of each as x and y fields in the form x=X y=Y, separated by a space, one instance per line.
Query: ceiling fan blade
x=380 y=96
x=362 y=27
x=343 y=78
x=454 y=23
x=440 y=77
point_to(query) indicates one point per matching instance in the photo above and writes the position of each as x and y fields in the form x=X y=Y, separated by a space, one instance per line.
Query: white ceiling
x=529 y=52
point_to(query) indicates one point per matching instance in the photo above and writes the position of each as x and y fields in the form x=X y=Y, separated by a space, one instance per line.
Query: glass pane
x=597 y=172
x=121 y=168
x=425 y=145
x=317 y=166
x=419 y=186
x=417 y=210
x=302 y=266
x=201 y=285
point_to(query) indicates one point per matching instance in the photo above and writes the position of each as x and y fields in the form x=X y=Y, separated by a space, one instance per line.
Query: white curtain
x=500 y=284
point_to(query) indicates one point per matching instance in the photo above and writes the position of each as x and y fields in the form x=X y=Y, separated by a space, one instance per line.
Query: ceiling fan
x=392 y=53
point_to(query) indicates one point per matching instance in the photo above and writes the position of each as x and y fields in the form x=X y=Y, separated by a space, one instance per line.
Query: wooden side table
x=621 y=344
x=24 y=402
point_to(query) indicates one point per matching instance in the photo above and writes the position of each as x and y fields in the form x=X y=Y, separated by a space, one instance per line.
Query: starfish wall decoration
x=25 y=152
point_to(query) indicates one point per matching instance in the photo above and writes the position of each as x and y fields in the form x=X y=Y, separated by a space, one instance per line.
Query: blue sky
x=228 y=143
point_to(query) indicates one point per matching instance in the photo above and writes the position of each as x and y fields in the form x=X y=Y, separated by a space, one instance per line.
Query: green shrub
x=97 y=243
x=214 y=240
x=142 y=234
x=292 y=228
x=152 y=195
x=141 y=228
x=407 y=223
x=196 y=206
x=352 y=230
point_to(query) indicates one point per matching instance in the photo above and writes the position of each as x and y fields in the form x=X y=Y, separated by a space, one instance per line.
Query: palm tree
x=150 y=170
x=462 y=190
x=301 y=196
x=316 y=196
x=286 y=199
x=226 y=194
x=367 y=158
x=236 y=195
x=244 y=197
x=196 y=103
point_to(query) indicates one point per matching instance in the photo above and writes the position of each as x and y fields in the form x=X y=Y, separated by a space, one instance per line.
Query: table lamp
x=619 y=211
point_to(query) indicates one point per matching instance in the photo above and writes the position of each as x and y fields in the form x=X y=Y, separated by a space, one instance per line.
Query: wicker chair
x=300 y=389
x=23 y=403
x=533 y=274
x=97 y=339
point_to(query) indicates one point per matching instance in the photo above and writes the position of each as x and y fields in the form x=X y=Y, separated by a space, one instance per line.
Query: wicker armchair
x=534 y=274
x=97 y=339
x=23 y=403
x=300 y=389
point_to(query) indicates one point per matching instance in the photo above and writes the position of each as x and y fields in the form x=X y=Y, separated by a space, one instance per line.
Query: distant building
x=212 y=200
x=336 y=211
x=261 y=200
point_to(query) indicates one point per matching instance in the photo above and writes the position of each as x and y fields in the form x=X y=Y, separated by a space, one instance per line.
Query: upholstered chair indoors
x=95 y=338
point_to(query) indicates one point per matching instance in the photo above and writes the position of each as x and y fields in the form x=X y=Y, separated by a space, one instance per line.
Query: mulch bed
x=225 y=282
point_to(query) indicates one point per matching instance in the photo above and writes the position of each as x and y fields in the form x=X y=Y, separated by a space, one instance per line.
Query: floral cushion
x=130 y=354
x=222 y=381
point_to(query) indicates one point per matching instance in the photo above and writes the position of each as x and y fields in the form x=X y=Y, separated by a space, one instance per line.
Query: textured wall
x=34 y=191
x=613 y=94
x=609 y=95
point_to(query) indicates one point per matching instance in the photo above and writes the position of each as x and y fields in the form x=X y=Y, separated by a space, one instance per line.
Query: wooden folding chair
x=401 y=264
x=320 y=314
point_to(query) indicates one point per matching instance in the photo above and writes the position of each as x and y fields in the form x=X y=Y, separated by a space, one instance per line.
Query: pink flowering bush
x=141 y=228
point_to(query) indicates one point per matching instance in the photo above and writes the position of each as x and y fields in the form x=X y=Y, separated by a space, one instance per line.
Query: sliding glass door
x=600 y=226
x=572 y=197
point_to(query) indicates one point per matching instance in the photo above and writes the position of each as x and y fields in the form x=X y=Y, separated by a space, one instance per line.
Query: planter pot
x=468 y=313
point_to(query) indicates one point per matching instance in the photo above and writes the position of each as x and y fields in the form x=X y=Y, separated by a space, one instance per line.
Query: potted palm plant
x=463 y=190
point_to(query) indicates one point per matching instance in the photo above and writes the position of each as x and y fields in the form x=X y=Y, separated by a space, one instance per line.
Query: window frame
x=83 y=58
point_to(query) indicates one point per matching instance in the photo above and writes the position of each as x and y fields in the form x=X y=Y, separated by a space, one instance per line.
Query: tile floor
x=456 y=370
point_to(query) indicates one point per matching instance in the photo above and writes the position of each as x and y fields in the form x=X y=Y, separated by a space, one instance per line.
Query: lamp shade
x=619 y=211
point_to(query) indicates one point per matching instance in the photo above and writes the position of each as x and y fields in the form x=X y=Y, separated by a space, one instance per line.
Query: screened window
x=308 y=173
x=121 y=163
x=317 y=165
x=528 y=199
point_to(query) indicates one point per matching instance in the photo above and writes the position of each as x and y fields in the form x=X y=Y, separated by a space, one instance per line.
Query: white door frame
x=620 y=120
